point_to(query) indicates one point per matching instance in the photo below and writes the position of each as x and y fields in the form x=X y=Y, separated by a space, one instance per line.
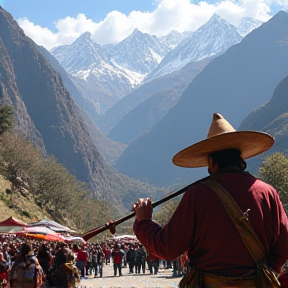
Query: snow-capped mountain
x=247 y=24
x=140 y=52
x=87 y=60
x=173 y=38
x=116 y=69
x=85 y=50
x=213 y=38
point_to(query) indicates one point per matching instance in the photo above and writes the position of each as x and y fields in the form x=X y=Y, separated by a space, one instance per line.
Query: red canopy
x=13 y=222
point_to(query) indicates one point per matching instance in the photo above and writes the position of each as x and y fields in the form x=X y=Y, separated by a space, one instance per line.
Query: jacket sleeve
x=164 y=242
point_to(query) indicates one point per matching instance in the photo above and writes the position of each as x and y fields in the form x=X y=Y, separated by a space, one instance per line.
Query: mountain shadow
x=110 y=149
x=144 y=116
x=271 y=117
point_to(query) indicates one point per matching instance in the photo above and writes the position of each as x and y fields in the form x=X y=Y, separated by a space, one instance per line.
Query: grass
x=13 y=204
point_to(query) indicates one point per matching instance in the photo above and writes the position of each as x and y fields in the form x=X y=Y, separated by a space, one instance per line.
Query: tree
x=49 y=184
x=6 y=112
x=274 y=171
x=6 y=119
x=17 y=156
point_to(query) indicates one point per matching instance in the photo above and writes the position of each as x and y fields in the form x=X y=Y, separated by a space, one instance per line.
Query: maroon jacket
x=202 y=226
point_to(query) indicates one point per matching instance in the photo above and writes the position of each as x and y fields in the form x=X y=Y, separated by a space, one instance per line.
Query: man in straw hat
x=201 y=224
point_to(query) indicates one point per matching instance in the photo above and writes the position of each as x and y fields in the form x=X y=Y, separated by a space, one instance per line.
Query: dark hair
x=43 y=247
x=62 y=245
x=228 y=158
x=75 y=247
x=25 y=249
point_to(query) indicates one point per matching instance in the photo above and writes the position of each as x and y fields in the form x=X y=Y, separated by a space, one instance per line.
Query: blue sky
x=44 y=13
x=58 y=22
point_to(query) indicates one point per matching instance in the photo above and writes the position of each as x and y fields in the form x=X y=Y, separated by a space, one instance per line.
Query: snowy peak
x=247 y=24
x=136 y=37
x=215 y=23
x=80 y=55
x=173 y=38
x=135 y=32
x=213 y=38
x=85 y=37
x=215 y=19
x=139 y=52
x=87 y=60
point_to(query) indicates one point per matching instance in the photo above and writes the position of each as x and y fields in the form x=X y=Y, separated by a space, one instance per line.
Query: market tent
x=46 y=237
x=52 y=225
x=39 y=232
x=75 y=239
x=125 y=237
x=11 y=224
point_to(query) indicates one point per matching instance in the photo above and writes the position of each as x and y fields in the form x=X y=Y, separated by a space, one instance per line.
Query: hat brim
x=250 y=143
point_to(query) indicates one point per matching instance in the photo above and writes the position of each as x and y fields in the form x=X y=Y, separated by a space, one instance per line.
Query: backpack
x=27 y=271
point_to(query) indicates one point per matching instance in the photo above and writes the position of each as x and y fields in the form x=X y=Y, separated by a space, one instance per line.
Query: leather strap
x=241 y=221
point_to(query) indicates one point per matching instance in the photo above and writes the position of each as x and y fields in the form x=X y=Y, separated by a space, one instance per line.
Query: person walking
x=44 y=259
x=94 y=262
x=6 y=254
x=140 y=259
x=131 y=258
x=68 y=273
x=217 y=253
x=4 y=269
x=117 y=255
x=107 y=251
x=100 y=256
x=153 y=263
x=26 y=271
x=81 y=259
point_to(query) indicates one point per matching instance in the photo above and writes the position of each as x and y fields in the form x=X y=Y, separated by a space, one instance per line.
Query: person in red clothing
x=81 y=259
x=201 y=225
x=107 y=251
x=117 y=255
x=4 y=268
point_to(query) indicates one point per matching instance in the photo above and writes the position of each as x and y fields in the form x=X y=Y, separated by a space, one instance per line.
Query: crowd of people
x=33 y=263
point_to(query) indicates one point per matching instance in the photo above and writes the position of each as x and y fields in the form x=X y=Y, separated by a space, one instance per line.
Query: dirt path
x=162 y=279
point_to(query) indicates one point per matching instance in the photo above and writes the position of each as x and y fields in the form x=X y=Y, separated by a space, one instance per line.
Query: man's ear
x=243 y=164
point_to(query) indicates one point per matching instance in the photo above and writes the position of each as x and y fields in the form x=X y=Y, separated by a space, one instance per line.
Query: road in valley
x=163 y=279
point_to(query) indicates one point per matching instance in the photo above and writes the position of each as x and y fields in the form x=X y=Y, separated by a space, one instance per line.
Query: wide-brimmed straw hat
x=223 y=136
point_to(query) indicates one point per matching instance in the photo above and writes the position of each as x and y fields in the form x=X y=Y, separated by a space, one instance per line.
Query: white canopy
x=52 y=225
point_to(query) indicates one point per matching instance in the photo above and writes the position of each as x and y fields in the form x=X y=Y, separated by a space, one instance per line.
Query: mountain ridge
x=136 y=60
x=212 y=38
x=252 y=67
x=58 y=119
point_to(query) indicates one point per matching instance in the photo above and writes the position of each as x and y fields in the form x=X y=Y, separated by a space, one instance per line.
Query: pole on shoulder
x=112 y=224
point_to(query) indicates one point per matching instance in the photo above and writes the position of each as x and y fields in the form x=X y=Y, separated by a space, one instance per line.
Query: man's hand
x=143 y=209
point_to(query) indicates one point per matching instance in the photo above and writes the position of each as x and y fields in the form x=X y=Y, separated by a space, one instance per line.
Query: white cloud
x=180 y=15
x=41 y=36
